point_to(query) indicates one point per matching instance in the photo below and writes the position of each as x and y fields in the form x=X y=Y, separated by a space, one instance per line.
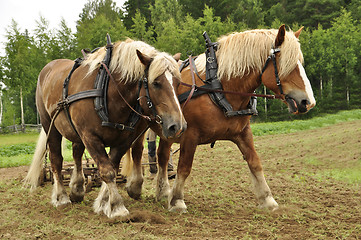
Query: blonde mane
x=126 y=62
x=243 y=52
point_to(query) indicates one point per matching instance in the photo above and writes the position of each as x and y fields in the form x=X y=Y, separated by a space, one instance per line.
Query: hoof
x=269 y=203
x=179 y=207
x=119 y=211
x=133 y=195
x=134 y=189
x=61 y=200
x=76 y=197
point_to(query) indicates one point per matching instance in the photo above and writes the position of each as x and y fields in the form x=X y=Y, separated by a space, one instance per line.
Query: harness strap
x=118 y=126
x=82 y=95
x=211 y=78
x=272 y=57
x=191 y=66
x=208 y=88
x=188 y=62
x=102 y=83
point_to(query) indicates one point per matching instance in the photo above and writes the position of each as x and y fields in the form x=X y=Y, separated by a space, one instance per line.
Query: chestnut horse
x=132 y=62
x=241 y=62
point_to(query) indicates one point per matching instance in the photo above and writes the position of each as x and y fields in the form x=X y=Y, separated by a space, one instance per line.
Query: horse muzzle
x=173 y=129
x=298 y=106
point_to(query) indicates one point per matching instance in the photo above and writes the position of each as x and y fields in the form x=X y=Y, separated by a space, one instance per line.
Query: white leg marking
x=59 y=196
x=263 y=192
x=77 y=185
x=102 y=199
x=176 y=198
x=110 y=202
x=307 y=85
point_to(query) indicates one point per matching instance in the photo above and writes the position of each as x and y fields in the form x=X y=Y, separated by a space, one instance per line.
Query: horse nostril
x=305 y=102
x=172 y=129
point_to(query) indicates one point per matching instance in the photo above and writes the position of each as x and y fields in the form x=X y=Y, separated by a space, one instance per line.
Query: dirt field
x=314 y=176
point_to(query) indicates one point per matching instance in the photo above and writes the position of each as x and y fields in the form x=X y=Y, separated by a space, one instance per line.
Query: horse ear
x=297 y=34
x=280 y=36
x=144 y=58
x=177 y=56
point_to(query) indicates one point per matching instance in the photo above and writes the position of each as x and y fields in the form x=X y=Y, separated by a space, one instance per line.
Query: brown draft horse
x=130 y=60
x=241 y=58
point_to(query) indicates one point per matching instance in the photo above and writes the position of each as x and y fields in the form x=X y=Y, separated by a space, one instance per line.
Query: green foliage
x=139 y=28
x=331 y=43
x=17 y=149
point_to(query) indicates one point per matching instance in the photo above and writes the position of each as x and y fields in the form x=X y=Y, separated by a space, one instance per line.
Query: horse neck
x=117 y=89
x=245 y=84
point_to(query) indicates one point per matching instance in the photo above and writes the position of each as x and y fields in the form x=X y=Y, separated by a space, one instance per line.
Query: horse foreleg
x=135 y=181
x=162 y=187
x=59 y=195
x=77 y=181
x=260 y=186
x=109 y=200
x=176 y=198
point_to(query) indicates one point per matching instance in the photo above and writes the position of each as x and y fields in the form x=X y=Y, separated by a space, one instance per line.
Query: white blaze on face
x=307 y=83
x=169 y=77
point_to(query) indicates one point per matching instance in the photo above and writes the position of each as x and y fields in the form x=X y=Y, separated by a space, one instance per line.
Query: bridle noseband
x=272 y=57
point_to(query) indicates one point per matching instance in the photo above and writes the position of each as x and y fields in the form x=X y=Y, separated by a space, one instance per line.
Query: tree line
x=330 y=42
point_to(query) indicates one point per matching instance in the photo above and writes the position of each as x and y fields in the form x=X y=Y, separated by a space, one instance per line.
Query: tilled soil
x=306 y=171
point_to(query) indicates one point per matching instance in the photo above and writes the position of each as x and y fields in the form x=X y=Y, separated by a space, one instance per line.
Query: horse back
x=206 y=121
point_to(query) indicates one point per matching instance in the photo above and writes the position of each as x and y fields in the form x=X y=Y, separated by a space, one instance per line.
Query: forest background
x=331 y=44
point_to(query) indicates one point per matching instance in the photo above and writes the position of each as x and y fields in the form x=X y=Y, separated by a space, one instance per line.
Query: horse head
x=292 y=82
x=160 y=93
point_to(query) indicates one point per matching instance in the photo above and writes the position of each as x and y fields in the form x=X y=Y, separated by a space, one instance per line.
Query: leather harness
x=212 y=85
x=99 y=93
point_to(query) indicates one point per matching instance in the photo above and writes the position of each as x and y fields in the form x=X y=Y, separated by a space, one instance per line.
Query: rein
x=207 y=89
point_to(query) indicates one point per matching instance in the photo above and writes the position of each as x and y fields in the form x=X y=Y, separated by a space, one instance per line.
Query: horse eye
x=156 y=84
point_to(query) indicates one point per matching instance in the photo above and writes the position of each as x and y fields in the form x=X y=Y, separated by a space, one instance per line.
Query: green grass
x=18 y=138
x=269 y=128
x=17 y=149
x=350 y=175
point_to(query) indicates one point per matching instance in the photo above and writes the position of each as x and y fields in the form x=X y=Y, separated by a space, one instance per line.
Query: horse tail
x=32 y=179
x=127 y=164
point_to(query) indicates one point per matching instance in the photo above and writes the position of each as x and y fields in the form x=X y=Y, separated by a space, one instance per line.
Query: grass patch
x=18 y=138
x=269 y=128
x=349 y=175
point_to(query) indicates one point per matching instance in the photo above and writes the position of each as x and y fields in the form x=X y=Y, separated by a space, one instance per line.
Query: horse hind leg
x=162 y=187
x=135 y=180
x=77 y=181
x=260 y=186
x=59 y=195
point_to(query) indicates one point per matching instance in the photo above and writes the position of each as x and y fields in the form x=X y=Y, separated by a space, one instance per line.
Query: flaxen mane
x=240 y=53
x=126 y=62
